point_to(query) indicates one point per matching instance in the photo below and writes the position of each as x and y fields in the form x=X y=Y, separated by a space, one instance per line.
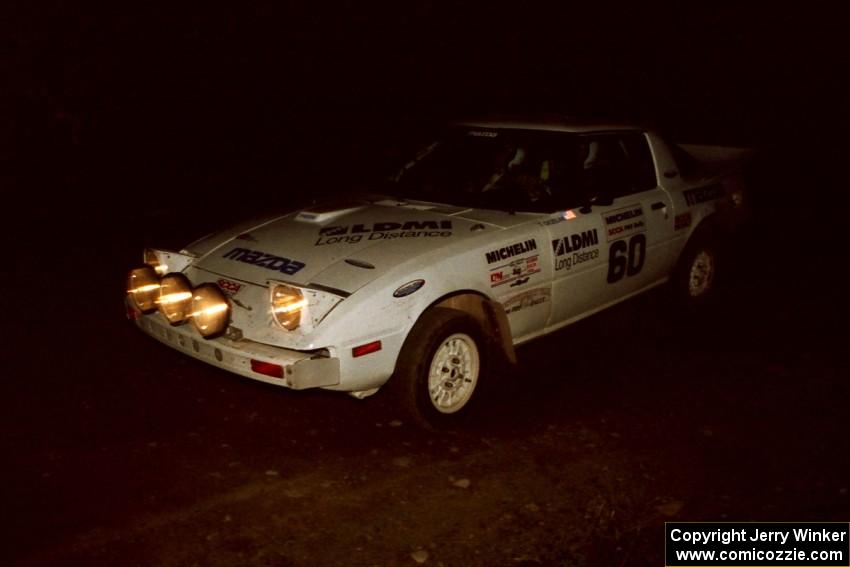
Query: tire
x=696 y=276
x=438 y=373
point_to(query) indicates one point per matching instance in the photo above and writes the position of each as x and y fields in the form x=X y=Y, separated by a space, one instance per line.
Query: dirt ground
x=119 y=451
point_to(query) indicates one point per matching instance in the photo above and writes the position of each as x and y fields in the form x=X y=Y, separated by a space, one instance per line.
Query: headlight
x=175 y=298
x=143 y=287
x=210 y=310
x=152 y=260
x=165 y=261
x=287 y=303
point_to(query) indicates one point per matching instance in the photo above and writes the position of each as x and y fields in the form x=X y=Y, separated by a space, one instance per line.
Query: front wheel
x=439 y=370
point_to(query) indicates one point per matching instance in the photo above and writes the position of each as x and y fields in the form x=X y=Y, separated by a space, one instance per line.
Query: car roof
x=549 y=123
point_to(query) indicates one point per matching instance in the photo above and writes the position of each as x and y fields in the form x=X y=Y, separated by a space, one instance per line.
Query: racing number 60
x=626 y=259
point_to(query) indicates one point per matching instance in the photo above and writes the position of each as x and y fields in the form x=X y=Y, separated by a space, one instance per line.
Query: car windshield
x=503 y=169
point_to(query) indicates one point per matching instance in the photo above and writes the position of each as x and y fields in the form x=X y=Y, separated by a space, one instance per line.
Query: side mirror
x=599 y=199
x=602 y=199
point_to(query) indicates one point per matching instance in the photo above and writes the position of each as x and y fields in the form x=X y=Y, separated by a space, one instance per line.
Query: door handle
x=658 y=205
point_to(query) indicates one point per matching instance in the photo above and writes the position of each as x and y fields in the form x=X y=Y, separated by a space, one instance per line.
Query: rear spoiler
x=718 y=160
x=718 y=155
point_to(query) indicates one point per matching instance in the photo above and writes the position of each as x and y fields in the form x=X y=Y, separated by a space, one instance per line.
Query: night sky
x=123 y=99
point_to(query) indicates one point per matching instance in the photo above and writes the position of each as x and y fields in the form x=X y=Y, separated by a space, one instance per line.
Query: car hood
x=342 y=246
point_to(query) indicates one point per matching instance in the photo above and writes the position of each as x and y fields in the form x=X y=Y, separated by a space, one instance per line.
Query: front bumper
x=301 y=370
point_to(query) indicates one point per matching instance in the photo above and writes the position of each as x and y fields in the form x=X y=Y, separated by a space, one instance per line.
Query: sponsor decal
x=515 y=271
x=682 y=221
x=519 y=282
x=383 y=231
x=526 y=300
x=264 y=260
x=333 y=230
x=550 y=222
x=624 y=222
x=229 y=287
x=510 y=251
x=703 y=194
x=563 y=216
x=575 y=249
x=386 y=227
x=482 y=133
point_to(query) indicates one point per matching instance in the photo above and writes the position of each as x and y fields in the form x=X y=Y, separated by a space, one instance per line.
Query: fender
x=490 y=316
x=708 y=227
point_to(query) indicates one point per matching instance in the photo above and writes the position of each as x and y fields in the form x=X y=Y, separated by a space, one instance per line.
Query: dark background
x=124 y=126
x=140 y=109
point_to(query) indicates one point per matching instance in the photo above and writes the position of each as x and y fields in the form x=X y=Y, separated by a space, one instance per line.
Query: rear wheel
x=438 y=373
x=695 y=279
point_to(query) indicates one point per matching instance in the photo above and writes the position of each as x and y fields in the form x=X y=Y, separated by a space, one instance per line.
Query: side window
x=641 y=164
x=617 y=165
x=687 y=164
x=561 y=166
x=542 y=174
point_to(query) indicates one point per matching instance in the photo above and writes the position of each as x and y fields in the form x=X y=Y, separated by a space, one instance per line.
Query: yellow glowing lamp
x=210 y=310
x=143 y=288
x=287 y=304
x=175 y=298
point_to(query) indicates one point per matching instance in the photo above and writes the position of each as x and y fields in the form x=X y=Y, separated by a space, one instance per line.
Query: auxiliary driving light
x=210 y=310
x=175 y=298
x=143 y=288
x=287 y=303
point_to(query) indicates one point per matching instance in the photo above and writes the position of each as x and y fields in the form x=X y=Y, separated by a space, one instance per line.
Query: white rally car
x=493 y=235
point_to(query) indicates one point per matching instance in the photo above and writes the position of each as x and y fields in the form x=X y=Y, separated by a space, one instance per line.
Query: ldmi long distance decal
x=575 y=249
x=384 y=231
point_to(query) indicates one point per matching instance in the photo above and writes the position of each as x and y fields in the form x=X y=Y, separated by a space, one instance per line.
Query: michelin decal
x=511 y=250
x=517 y=270
x=624 y=222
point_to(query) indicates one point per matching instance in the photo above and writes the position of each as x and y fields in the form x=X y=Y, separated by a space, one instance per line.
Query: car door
x=619 y=242
x=577 y=248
